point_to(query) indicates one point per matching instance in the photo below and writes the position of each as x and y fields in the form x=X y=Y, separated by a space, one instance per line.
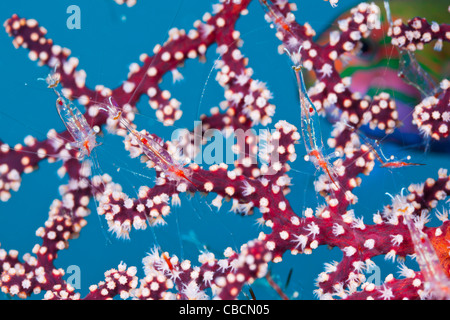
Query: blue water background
x=111 y=37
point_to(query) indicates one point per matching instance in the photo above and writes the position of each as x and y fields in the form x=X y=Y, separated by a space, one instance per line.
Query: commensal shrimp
x=391 y=163
x=151 y=148
x=277 y=19
x=397 y=163
x=385 y=163
x=310 y=126
x=436 y=281
x=82 y=133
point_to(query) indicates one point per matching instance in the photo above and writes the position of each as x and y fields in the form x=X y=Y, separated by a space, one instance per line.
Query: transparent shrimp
x=151 y=148
x=276 y=17
x=385 y=162
x=409 y=68
x=82 y=133
x=310 y=126
x=310 y=122
x=399 y=164
x=436 y=281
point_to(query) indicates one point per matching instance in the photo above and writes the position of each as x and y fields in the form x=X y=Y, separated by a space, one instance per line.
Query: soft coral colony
x=248 y=185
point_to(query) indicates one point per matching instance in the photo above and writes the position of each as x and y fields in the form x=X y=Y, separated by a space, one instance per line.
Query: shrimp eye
x=60 y=102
